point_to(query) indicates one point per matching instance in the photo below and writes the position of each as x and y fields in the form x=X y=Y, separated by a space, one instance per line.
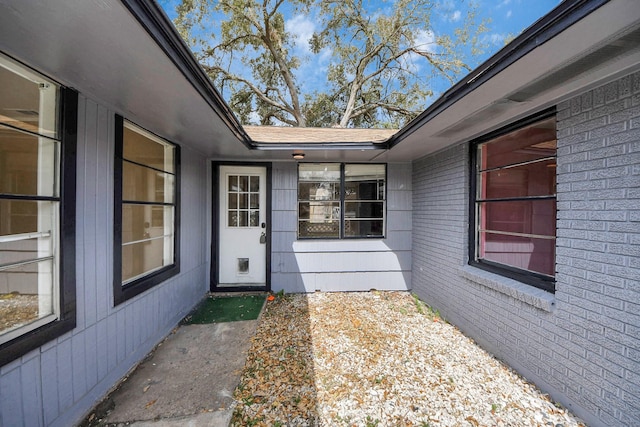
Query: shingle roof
x=282 y=134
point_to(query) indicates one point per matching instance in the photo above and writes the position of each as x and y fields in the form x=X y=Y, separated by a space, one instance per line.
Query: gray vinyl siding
x=58 y=383
x=340 y=265
x=582 y=344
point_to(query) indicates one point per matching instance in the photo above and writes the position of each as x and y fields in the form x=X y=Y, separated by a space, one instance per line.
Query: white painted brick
x=598 y=233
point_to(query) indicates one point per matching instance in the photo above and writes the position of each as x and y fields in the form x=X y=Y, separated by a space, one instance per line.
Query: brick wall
x=582 y=345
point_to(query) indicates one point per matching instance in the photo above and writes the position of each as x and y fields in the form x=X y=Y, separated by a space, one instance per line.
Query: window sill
x=528 y=294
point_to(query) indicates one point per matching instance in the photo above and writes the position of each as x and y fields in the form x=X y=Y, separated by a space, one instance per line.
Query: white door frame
x=216 y=219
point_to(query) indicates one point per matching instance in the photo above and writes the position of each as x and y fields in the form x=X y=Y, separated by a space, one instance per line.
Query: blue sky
x=505 y=18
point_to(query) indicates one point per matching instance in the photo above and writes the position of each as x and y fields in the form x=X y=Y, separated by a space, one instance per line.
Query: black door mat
x=226 y=309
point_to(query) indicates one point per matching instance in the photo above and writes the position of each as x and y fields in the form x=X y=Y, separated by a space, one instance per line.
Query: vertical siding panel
x=80 y=217
x=104 y=213
x=91 y=356
x=31 y=393
x=10 y=394
x=102 y=345
x=91 y=196
x=79 y=366
x=65 y=375
x=112 y=342
x=121 y=335
x=49 y=373
x=129 y=329
x=59 y=383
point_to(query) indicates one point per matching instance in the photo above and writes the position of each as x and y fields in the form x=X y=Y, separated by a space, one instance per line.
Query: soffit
x=99 y=48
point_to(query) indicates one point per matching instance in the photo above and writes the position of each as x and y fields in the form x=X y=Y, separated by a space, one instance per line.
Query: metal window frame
x=541 y=281
x=123 y=291
x=342 y=201
x=66 y=283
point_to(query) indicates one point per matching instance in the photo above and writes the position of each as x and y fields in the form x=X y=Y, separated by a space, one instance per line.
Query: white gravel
x=380 y=359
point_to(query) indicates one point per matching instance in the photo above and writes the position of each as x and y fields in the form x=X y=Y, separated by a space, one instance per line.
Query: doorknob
x=263 y=237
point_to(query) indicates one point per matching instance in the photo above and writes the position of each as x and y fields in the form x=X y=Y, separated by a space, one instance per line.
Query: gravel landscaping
x=17 y=310
x=378 y=359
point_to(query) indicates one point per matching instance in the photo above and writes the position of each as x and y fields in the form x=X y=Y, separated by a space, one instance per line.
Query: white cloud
x=509 y=14
x=495 y=39
x=504 y=3
x=426 y=40
x=302 y=29
x=455 y=16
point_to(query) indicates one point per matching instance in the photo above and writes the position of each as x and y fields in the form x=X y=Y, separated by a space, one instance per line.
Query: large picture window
x=341 y=200
x=146 y=210
x=515 y=202
x=38 y=121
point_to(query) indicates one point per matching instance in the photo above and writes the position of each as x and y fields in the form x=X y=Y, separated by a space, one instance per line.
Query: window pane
x=26 y=294
x=244 y=200
x=26 y=216
x=321 y=199
x=319 y=211
x=233 y=200
x=255 y=184
x=16 y=249
x=254 y=218
x=527 y=253
x=244 y=204
x=319 y=191
x=520 y=164
x=142 y=147
x=142 y=184
x=323 y=181
x=243 y=183
x=28 y=164
x=255 y=201
x=233 y=183
x=532 y=142
x=537 y=217
x=363 y=228
x=233 y=219
x=364 y=182
x=530 y=179
x=27 y=101
x=328 y=229
x=140 y=222
x=243 y=218
x=142 y=257
x=364 y=209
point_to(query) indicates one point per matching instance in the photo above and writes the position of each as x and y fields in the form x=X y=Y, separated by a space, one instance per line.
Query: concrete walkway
x=188 y=380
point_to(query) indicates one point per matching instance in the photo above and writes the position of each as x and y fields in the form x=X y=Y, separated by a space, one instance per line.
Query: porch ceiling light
x=298 y=155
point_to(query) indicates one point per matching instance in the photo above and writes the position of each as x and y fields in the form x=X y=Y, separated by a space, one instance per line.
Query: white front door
x=242 y=256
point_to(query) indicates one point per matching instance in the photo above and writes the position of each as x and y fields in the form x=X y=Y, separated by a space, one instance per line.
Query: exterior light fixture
x=298 y=155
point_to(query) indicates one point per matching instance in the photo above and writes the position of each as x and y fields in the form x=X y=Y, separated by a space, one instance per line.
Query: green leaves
x=379 y=62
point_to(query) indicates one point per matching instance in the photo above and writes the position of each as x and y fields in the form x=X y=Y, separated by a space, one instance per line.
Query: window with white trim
x=514 y=202
x=38 y=120
x=341 y=200
x=146 y=210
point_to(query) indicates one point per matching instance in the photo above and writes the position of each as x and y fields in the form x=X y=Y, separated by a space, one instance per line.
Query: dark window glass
x=146 y=210
x=38 y=121
x=341 y=200
x=515 y=203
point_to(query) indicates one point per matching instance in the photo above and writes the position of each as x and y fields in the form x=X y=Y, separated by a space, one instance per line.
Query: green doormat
x=227 y=309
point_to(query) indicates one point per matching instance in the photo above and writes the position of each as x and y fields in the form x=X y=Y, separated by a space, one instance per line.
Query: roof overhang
x=127 y=56
x=578 y=46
